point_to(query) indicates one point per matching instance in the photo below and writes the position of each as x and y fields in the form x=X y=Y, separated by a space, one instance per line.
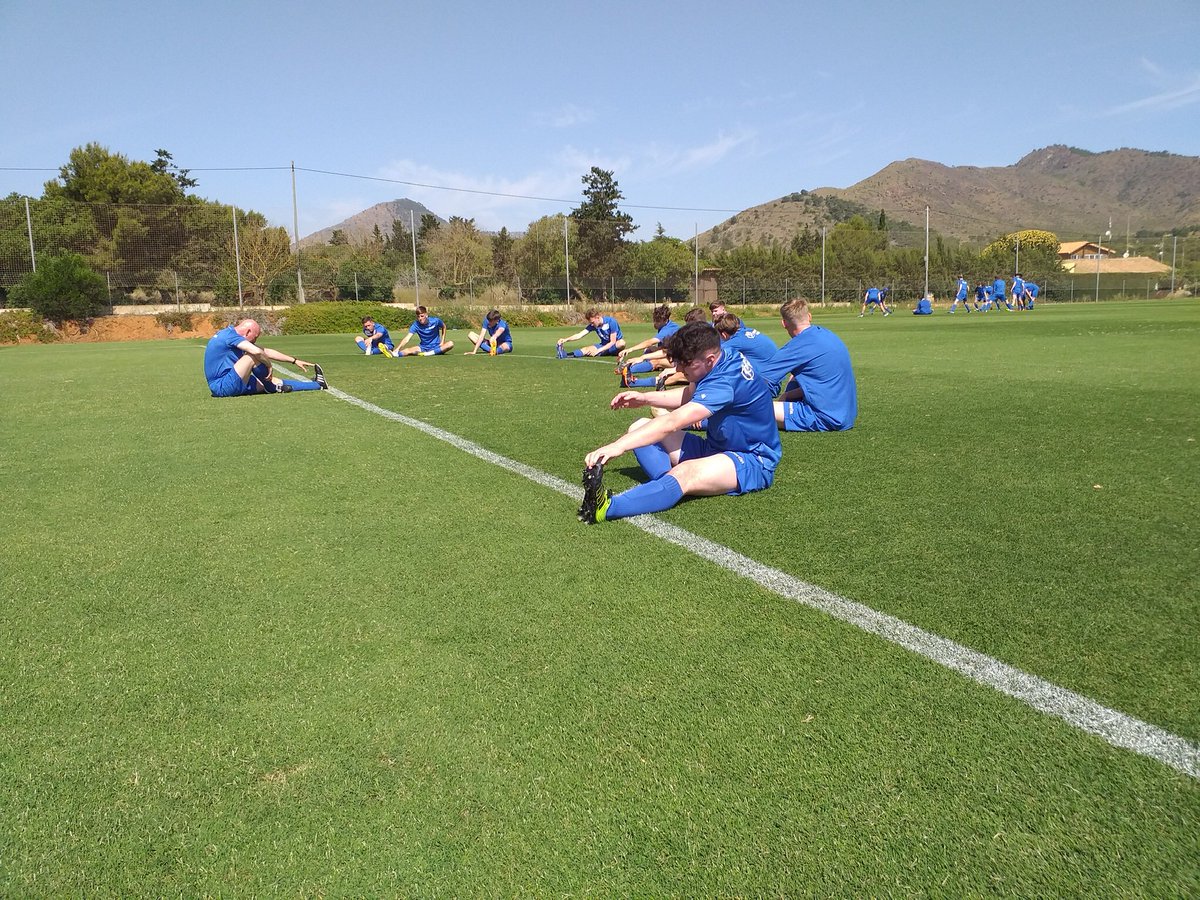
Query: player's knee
x=636 y=424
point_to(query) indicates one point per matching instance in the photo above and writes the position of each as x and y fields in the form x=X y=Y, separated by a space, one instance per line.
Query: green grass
x=283 y=646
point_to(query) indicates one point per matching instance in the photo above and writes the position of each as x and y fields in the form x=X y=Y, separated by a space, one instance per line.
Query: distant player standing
x=431 y=335
x=1000 y=292
x=873 y=296
x=960 y=295
x=1018 y=292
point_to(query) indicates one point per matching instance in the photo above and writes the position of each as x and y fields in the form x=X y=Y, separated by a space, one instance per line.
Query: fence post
x=237 y=258
x=29 y=229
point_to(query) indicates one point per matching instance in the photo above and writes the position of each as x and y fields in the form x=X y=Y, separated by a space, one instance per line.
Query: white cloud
x=1161 y=102
x=566 y=116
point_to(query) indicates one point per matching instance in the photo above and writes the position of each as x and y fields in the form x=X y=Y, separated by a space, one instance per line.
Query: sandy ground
x=133 y=328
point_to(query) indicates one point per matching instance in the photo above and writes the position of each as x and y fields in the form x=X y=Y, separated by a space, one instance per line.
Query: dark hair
x=493 y=316
x=691 y=342
x=695 y=314
x=421 y=309
x=590 y=313
x=662 y=315
x=367 y=319
x=727 y=325
x=715 y=305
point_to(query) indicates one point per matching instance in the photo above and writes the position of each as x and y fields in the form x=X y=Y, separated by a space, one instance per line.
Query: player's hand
x=628 y=400
x=561 y=342
x=602 y=455
x=468 y=353
x=302 y=364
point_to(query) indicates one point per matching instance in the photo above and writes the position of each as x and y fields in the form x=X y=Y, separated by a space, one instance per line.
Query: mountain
x=361 y=226
x=1074 y=193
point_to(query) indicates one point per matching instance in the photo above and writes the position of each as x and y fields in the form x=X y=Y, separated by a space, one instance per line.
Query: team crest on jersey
x=747 y=369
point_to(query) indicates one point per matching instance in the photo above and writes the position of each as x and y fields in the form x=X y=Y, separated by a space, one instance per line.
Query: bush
x=21 y=323
x=173 y=319
x=63 y=287
x=343 y=317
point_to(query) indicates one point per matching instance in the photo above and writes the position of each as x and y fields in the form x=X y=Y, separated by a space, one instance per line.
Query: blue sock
x=653 y=496
x=643 y=382
x=302 y=385
x=578 y=354
x=641 y=368
x=654 y=460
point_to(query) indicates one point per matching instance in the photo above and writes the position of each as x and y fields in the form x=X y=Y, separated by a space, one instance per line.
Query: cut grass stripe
x=1113 y=727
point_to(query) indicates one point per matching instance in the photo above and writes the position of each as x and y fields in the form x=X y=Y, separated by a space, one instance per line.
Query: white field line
x=1080 y=712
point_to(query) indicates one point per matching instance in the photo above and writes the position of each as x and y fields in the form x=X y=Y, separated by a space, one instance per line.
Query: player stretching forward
x=1031 y=293
x=494 y=336
x=960 y=295
x=234 y=364
x=609 y=340
x=376 y=340
x=738 y=455
x=431 y=334
x=823 y=396
x=874 y=297
x=1018 y=292
x=652 y=357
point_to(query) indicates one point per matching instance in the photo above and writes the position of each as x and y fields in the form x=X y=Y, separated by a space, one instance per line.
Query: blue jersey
x=873 y=295
x=821 y=365
x=998 y=290
x=666 y=331
x=754 y=345
x=381 y=330
x=741 y=413
x=606 y=330
x=430 y=333
x=1018 y=288
x=924 y=307
x=221 y=353
x=981 y=293
x=962 y=289
x=1031 y=289
x=505 y=335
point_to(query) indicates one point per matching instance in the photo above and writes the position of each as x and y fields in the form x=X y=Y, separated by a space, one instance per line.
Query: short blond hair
x=795 y=311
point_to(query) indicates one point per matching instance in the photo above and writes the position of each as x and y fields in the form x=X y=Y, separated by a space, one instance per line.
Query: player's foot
x=559 y=352
x=285 y=388
x=319 y=376
x=593 y=480
x=660 y=383
x=600 y=514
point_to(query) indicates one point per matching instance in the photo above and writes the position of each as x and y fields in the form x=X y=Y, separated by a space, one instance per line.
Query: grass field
x=285 y=645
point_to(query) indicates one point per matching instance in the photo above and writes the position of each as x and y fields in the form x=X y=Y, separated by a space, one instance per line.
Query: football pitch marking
x=1113 y=727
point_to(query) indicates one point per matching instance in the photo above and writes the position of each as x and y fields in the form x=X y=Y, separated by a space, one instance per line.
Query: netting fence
x=208 y=253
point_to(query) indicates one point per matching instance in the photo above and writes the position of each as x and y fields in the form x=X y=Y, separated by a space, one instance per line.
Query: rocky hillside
x=361 y=226
x=1062 y=189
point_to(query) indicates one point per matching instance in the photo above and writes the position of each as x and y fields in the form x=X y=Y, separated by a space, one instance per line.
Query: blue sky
x=700 y=109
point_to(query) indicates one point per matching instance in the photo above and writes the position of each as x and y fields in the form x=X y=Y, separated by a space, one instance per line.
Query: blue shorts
x=799 y=416
x=230 y=385
x=611 y=351
x=486 y=347
x=753 y=473
x=435 y=349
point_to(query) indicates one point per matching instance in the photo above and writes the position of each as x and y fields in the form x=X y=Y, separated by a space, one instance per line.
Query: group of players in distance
x=729 y=379
x=987 y=294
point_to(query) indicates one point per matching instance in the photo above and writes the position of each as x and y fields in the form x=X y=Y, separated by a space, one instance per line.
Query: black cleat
x=593 y=496
x=319 y=376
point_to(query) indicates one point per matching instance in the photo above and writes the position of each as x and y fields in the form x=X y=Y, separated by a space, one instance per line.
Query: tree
x=94 y=174
x=266 y=253
x=603 y=228
x=428 y=227
x=458 y=252
x=164 y=162
x=541 y=255
x=63 y=287
x=665 y=260
x=504 y=256
x=338 y=238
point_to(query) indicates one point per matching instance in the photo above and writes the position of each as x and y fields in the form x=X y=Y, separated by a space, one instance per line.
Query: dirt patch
x=133 y=328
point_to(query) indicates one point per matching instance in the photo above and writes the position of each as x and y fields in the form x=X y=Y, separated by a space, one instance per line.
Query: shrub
x=343 y=317
x=21 y=323
x=271 y=321
x=63 y=287
x=173 y=319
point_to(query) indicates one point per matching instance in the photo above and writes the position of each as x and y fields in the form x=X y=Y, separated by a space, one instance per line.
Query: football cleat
x=319 y=376
x=593 y=479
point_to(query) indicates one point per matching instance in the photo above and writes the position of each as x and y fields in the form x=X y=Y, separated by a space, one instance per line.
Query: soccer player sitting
x=375 y=340
x=738 y=455
x=751 y=343
x=431 y=334
x=234 y=364
x=652 y=356
x=609 y=340
x=824 y=396
x=924 y=306
x=494 y=336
